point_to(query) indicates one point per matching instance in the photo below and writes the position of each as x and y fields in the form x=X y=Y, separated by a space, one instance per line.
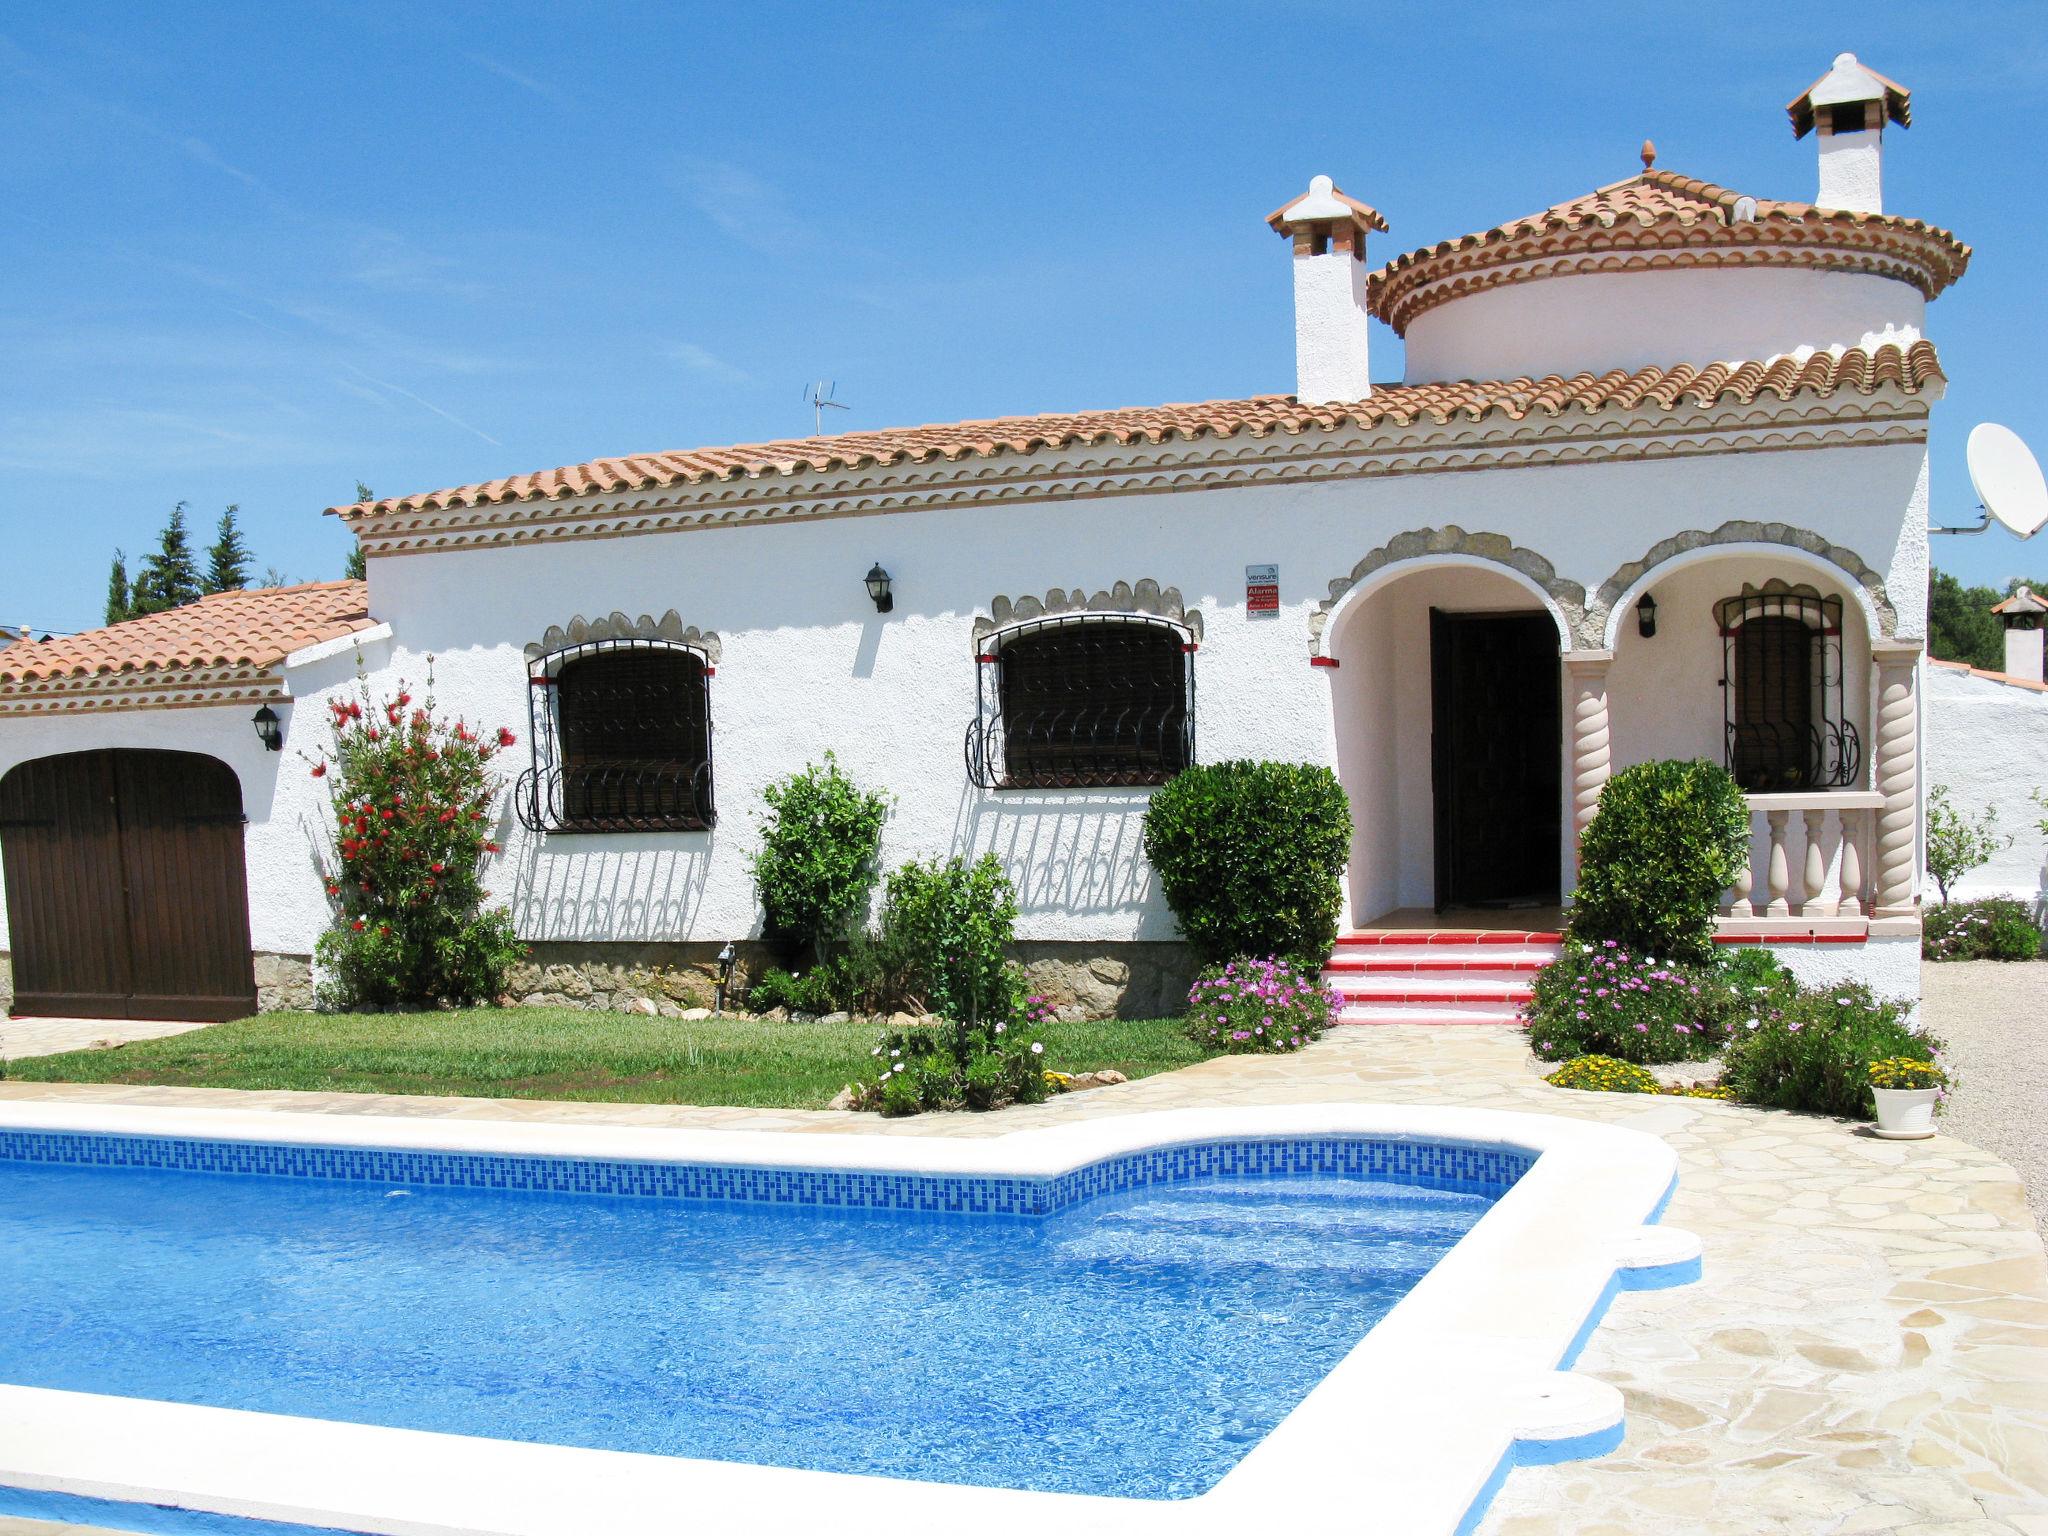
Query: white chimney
x=1330 y=315
x=1849 y=106
x=2022 y=615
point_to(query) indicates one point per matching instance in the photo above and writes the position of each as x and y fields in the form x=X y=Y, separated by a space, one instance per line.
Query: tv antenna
x=2008 y=482
x=818 y=397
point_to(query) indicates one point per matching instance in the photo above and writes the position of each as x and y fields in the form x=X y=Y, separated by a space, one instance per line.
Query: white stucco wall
x=1988 y=742
x=1597 y=321
x=808 y=665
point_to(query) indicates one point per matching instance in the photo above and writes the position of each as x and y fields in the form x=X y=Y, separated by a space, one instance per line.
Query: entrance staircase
x=1436 y=975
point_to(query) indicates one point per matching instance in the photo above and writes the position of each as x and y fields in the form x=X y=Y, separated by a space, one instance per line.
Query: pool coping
x=1412 y=1432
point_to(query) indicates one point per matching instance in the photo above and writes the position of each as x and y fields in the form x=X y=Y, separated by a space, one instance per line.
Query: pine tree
x=358 y=566
x=117 y=590
x=228 y=558
x=169 y=579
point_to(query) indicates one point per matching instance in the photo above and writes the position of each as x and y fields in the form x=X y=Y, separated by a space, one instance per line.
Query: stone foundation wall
x=1083 y=980
x=1132 y=980
x=284 y=983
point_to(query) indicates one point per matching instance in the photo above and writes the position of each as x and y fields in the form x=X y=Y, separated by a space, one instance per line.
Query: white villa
x=1655 y=484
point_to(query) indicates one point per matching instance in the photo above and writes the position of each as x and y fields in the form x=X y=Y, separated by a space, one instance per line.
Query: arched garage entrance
x=126 y=896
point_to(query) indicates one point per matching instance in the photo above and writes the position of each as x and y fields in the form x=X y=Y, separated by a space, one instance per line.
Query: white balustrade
x=1835 y=829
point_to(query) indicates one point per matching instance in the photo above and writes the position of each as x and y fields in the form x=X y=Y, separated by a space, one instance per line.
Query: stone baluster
x=1779 y=870
x=1851 y=904
x=1814 y=873
x=1738 y=889
x=1896 y=776
x=1590 y=740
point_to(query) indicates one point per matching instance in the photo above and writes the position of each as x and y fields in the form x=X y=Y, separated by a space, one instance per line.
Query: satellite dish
x=2007 y=479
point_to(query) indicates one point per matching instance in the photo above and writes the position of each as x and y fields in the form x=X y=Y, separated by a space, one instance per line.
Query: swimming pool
x=1140 y=1320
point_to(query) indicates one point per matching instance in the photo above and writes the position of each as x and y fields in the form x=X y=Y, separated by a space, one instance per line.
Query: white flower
x=1750 y=1025
x=876 y=1051
x=1001 y=1027
x=897 y=1068
x=1037 y=1049
x=897 y=1052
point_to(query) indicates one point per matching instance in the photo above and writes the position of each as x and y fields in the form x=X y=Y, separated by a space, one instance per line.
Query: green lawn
x=561 y=1053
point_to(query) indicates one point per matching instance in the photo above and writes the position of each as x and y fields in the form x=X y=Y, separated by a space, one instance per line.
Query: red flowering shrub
x=412 y=802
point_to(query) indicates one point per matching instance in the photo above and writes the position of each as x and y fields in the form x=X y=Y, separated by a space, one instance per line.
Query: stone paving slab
x=48 y=1037
x=1867 y=1352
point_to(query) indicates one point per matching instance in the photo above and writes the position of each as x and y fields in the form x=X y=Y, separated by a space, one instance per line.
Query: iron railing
x=621 y=733
x=1783 y=723
x=1083 y=700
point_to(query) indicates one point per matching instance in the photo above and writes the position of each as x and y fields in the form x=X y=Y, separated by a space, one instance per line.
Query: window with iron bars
x=1781 y=688
x=1081 y=701
x=621 y=739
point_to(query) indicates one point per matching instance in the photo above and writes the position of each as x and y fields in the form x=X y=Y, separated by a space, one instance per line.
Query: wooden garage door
x=126 y=896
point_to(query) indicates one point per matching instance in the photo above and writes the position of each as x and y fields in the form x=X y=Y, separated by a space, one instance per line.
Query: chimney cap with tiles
x=1332 y=309
x=1831 y=102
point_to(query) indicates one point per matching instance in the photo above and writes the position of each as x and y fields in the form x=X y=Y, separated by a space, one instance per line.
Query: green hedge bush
x=1667 y=840
x=1250 y=856
x=1996 y=928
x=1813 y=1050
x=815 y=868
x=946 y=932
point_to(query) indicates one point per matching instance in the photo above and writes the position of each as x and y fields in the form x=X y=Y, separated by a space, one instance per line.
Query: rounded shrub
x=1814 y=1049
x=815 y=867
x=1250 y=856
x=1667 y=840
x=1996 y=928
x=1248 y=1007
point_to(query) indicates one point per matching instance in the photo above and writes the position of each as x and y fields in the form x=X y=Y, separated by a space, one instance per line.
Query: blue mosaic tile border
x=1431 y=1164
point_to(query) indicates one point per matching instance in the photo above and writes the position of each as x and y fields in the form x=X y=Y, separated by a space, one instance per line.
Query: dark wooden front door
x=126 y=896
x=1495 y=754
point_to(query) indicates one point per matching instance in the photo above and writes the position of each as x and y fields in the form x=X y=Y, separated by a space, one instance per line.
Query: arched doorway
x=1447 y=716
x=126 y=894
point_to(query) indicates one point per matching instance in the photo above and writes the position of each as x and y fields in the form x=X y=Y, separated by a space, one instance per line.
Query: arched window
x=1083 y=700
x=621 y=739
x=1781 y=684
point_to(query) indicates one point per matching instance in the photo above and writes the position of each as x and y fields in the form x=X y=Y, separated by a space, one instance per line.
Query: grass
x=561 y=1053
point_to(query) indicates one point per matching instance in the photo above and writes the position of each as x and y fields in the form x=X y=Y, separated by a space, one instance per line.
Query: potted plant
x=1906 y=1090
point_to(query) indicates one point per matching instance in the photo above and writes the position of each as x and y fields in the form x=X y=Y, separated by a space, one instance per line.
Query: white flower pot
x=1905 y=1114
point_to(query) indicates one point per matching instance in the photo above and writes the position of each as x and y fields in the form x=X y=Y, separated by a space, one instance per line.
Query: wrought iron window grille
x=1083 y=700
x=621 y=734
x=1782 y=666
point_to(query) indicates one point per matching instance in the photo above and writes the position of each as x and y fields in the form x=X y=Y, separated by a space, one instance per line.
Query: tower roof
x=1849 y=80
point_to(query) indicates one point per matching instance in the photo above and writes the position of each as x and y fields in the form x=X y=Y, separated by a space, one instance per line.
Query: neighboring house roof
x=1659 y=220
x=2022 y=601
x=222 y=649
x=1909 y=369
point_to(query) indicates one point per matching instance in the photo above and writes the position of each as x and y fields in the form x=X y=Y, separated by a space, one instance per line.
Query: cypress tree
x=117 y=590
x=169 y=578
x=358 y=567
x=228 y=558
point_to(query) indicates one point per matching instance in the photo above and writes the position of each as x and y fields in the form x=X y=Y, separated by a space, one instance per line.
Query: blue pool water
x=1136 y=1344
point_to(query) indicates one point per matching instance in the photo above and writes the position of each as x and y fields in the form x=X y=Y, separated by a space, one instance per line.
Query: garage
x=126 y=893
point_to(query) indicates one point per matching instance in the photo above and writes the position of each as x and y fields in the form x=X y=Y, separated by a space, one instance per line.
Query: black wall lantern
x=878 y=588
x=269 y=728
x=1646 y=616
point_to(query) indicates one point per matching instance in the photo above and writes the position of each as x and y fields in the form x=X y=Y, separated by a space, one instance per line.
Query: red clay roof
x=256 y=628
x=2023 y=601
x=1661 y=211
x=1990 y=677
x=1910 y=369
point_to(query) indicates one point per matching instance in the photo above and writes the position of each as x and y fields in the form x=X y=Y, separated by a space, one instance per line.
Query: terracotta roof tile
x=255 y=628
x=2025 y=600
x=2006 y=678
x=1662 y=211
x=1823 y=373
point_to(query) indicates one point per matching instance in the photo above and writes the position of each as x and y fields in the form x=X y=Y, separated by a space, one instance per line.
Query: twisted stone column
x=1896 y=776
x=1590 y=751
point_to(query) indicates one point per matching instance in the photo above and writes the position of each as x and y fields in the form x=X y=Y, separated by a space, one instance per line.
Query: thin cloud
x=739 y=202
x=702 y=360
x=525 y=82
x=426 y=404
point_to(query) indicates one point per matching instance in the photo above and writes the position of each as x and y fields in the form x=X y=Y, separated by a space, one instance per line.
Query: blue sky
x=254 y=252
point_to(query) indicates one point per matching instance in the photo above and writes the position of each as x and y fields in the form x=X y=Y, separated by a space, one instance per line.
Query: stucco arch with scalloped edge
x=1781 y=541
x=1451 y=547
